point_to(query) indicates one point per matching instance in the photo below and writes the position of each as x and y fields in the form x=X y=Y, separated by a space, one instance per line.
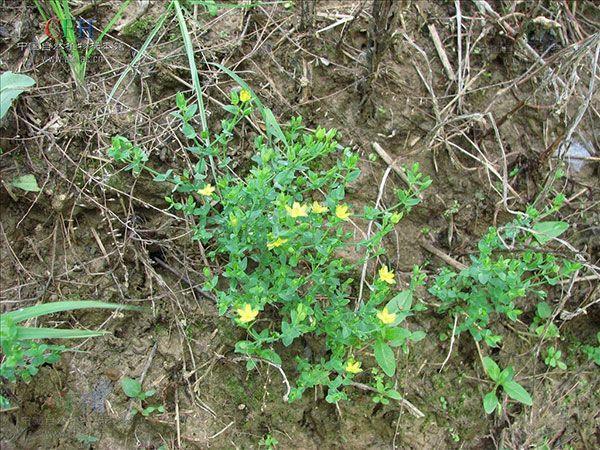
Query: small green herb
x=503 y=379
x=133 y=389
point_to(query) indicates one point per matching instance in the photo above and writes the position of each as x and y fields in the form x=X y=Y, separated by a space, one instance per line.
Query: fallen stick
x=439 y=47
x=411 y=408
x=440 y=254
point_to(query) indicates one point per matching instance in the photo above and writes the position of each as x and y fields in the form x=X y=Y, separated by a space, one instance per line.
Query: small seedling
x=133 y=389
x=552 y=359
x=503 y=379
x=268 y=441
x=541 y=325
x=593 y=352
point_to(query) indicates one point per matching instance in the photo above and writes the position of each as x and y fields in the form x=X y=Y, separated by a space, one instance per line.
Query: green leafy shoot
x=133 y=389
x=61 y=10
x=277 y=231
x=11 y=86
x=503 y=379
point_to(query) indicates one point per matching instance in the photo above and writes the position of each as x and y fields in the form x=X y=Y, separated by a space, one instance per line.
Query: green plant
x=26 y=183
x=61 y=11
x=552 y=358
x=268 y=441
x=593 y=351
x=22 y=354
x=542 y=324
x=502 y=379
x=277 y=232
x=11 y=86
x=501 y=275
x=133 y=389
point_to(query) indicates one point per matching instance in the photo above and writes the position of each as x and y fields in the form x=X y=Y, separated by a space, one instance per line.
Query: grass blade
x=189 y=50
x=49 y=308
x=141 y=51
x=55 y=333
x=107 y=28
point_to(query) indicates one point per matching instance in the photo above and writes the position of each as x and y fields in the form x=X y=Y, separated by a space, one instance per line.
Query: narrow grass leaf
x=141 y=52
x=55 y=333
x=48 y=308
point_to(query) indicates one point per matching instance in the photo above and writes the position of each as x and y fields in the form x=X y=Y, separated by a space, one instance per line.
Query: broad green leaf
x=397 y=336
x=385 y=357
x=506 y=374
x=546 y=231
x=543 y=310
x=489 y=402
x=11 y=86
x=55 y=333
x=26 y=182
x=515 y=391
x=270 y=355
x=401 y=302
x=131 y=387
x=491 y=368
x=48 y=308
x=393 y=394
x=416 y=336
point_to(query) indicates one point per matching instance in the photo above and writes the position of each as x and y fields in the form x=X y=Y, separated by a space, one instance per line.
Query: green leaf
x=30 y=312
x=11 y=86
x=491 y=368
x=517 y=392
x=489 y=402
x=401 y=302
x=26 y=182
x=393 y=394
x=397 y=336
x=416 y=336
x=385 y=357
x=543 y=310
x=55 y=333
x=546 y=231
x=131 y=387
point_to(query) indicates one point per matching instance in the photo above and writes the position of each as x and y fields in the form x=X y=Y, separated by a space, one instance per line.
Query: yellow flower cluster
x=246 y=313
x=299 y=210
x=207 y=190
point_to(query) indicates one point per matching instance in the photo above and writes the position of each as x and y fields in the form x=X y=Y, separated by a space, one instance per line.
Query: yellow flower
x=276 y=243
x=317 y=208
x=207 y=190
x=297 y=210
x=233 y=220
x=245 y=96
x=353 y=366
x=341 y=212
x=386 y=317
x=246 y=313
x=387 y=275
